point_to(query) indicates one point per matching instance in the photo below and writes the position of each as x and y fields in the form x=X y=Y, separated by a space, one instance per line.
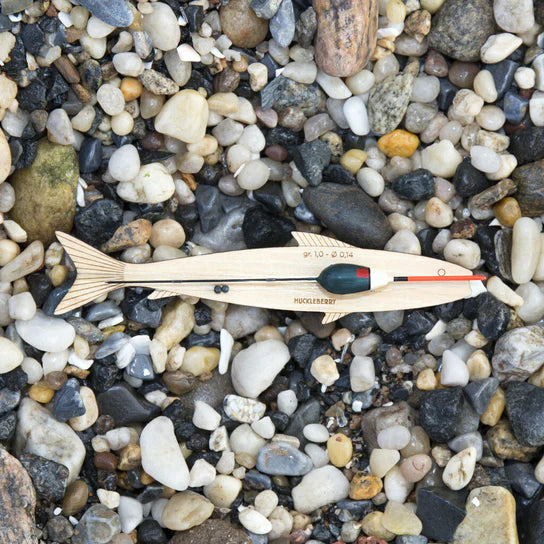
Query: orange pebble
x=131 y=88
x=399 y=143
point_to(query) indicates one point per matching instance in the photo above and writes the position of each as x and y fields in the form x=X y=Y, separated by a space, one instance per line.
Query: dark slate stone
x=256 y=481
x=150 y=494
x=530 y=193
x=503 y=75
x=532 y=527
x=282 y=25
x=356 y=322
x=49 y=477
x=349 y=213
x=96 y=223
x=90 y=155
x=33 y=38
x=493 y=316
x=187 y=216
x=525 y=409
x=195 y=17
x=311 y=158
x=32 y=97
x=208 y=201
x=426 y=238
x=301 y=348
x=479 y=393
x=515 y=107
x=8 y=400
x=113 y=12
x=527 y=145
x=271 y=197
x=137 y=307
x=141 y=367
x=447 y=93
x=415 y=185
x=264 y=229
x=149 y=531
x=309 y=412
x=302 y=213
x=306 y=25
x=467 y=180
x=67 y=402
x=8 y=422
x=461 y=27
x=16 y=379
x=440 y=510
x=336 y=173
x=439 y=411
x=485 y=238
x=271 y=92
x=521 y=477
x=125 y=405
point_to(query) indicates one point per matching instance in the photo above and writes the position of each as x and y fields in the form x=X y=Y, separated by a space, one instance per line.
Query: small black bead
x=217 y=289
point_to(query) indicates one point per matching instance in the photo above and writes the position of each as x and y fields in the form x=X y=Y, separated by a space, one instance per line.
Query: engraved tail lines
x=94 y=271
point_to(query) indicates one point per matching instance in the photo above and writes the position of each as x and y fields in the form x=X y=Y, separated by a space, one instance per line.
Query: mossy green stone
x=45 y=193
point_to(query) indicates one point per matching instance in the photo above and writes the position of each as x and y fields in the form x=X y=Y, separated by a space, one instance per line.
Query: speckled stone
x=461 y=27
x=530 y=193
x=388 y=102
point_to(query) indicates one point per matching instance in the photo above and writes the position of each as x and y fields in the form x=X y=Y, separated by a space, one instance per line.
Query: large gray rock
x=350 y=213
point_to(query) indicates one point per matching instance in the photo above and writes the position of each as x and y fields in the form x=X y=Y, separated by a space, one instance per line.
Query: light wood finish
x=265 y=273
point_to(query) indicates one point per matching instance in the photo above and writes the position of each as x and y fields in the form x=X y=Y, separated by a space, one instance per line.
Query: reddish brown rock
x=346 y=35
x=241 y=25
x=18 y=501
x=135 y=233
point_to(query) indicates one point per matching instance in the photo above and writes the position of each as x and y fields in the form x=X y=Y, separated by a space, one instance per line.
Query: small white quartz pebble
x=128 y=64
x=205 y=417
x=226 y=342
x=395 y=437
x=484 y=86
x=396 y=486
x=460 y=469
x=356 y=115
x=324 y=370
x=465 y=253
x=371 y=181
x=22 y=306
x=454 y=371
x=108 y=498
x=11 y=357
x=441 y=159
x=265 y=502
x=532 y=309
x=382 y=461
x=130 y=512
x=333 y=86
x=539 y=471
x=264 y=427
x=484 y=159
x=254 y=521
x=525 y=77
x=315 y=432
x=404 y=241
x=253 y=175
x=59 y=127
x=287 y=402
x=525 y=249
x=202 y=473
x=499 y=46
x=502 y=292
x=124 y=163
x=437 y=213
x=361 y=374
x=111 y=99
x=536 y=108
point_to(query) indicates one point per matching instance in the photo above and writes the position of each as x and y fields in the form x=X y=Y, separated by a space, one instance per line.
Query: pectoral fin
x=161 y=294
x=332 y=316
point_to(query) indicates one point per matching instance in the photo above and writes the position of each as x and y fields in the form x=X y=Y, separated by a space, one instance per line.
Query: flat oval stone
x=280 y=458
x=46 y=333
x=349 y=213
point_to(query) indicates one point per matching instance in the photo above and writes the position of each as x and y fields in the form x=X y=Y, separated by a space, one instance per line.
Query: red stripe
x=361 y=273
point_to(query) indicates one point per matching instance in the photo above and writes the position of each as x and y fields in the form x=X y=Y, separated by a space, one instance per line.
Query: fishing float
x=320 y=274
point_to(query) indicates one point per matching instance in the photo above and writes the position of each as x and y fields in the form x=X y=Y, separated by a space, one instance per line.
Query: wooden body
x=279 y=278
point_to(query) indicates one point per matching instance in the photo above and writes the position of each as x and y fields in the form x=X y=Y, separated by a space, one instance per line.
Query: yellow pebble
x=130 y=457
x=478 y=366
x=399 y=143
x=340 y=449
x=8 y=251
x=198 y=360
x=426 y=380
x=372 y=526
x=131 y=88
x=353 y=160
x=364 y=486
x=57 y=274
x=268 y=333
x=108 y=331
x=396 y=11
x=41 y=392
x=507 y=211
x=494 y=409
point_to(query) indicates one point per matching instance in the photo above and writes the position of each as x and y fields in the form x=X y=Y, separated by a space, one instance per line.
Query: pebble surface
x=156 y=131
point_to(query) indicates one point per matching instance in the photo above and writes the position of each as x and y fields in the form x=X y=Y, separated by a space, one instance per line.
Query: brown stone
x=504 y=445
x=529 y=179
x=132 y=234
x=464 y=228
x=507 y=211
x=130 y=457
x=418 y=24
x=346 y=35
x=18 y=501
x=75 y=497
x=364 y=486
x=241 y=25
x=493 y=194
x=212 y=531
x=105 y=461
x=67 y=70
x=435 y=64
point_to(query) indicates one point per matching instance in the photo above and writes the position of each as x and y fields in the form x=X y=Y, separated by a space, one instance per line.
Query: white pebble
x=333 y=86
x=536 y=108
x=525 y=249
x=395 y=437
x=499 y=46
x=128 y=64
x=287 y=402
x=460 y=469
x=442 y=159
x=315 y=432
x=205 y=417
x=254 y=521
x=202 y=473
x=371 y=181
x=361 y=374
x=22 y=306
x=253 y=175
x=356 y=115
x=484 y=159
x=532 y=309
x=465 y=253
x=264 y=427
x=454 y=371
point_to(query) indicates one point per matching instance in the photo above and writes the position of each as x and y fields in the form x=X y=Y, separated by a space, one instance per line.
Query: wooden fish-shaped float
x=321 y=274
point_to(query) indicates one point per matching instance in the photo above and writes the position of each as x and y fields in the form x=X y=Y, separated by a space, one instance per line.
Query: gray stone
x=67 y=402
x=113 y=12
x=525 y=409
x=388 y=102
x=461 y=27
x=141 y=367
x=349 y=213
x=265 y=9
x=519 y=353
x=98 y=525
x=280 y=458
x=282 y=25
x=311 y=159
x=479 y=393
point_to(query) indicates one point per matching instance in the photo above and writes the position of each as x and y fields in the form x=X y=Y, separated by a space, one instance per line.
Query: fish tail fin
x=94 y=272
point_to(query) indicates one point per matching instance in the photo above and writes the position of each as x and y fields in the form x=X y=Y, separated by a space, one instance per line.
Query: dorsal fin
x=332 y=316
x=310 y=239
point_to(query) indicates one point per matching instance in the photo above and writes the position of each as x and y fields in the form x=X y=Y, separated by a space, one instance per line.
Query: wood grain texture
x=346 y=35
x=280 y=278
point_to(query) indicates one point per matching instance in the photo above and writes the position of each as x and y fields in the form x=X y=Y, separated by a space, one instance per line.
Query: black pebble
x=467 y=180
x=415 y=185
x=90 y=155
x=493 y=316
x=96 y=223
x=438 y=413
x=263 y=229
